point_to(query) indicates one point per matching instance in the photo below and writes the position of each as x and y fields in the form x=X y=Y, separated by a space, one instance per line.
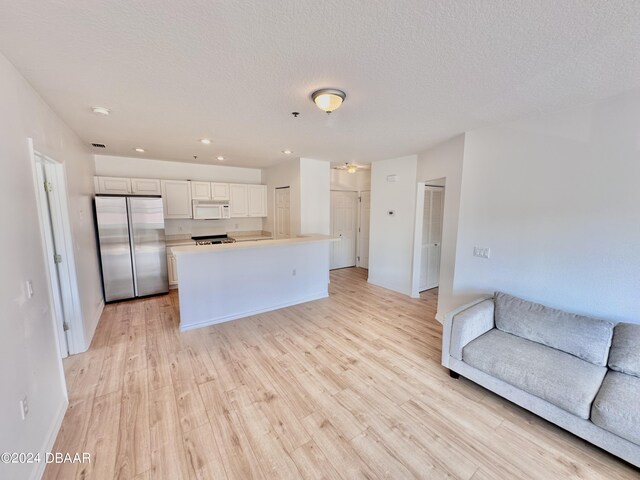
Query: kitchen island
x=225 y=282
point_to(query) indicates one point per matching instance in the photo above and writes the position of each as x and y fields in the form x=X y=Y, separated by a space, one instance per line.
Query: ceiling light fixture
x=221 y=158
x=328 y=99
x=206 y=141
x=100 y=110
x=287 y=152
x=139 y=150
x=349 y=167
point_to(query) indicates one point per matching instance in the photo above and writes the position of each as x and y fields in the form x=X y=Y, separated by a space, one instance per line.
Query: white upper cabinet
x=200 y=190
x=113 y=185
x=145 y=186
x=257 y=200
x=220 y=191
x=247 y=200
x=238 y=206
x=176 y=197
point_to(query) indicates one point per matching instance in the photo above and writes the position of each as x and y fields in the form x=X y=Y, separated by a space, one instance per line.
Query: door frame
x=69 y=293
x=356 y=236
x=417 y=234
x=359 y=236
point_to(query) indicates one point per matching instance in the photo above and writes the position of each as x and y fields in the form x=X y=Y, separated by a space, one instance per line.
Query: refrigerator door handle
x=132 y=246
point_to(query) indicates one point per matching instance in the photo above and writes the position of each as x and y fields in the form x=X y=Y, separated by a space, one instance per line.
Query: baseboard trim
x=50 y=440
x=248 y=313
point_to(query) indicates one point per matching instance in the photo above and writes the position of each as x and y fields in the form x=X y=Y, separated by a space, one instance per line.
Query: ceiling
x=416 y=72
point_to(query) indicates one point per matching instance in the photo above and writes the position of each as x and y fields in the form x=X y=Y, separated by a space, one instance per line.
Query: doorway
x=431 y=246
x=363 y=229
x=344 y=225
x=283 y=212
x=55 y=227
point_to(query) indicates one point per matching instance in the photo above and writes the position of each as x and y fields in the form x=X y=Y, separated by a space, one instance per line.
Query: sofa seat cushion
x=557 y=377
x=616 y=406
x=585 y=337
x=625 y=349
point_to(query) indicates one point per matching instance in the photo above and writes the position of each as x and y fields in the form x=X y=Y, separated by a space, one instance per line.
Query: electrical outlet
x=24 y=407
x=481 y=252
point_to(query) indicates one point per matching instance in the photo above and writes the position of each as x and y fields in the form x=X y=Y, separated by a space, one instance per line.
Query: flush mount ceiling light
x=205 y=141
x=287 y=152
x=100 y=110
x=221 y=158
x=139 y=150
x=328 y=99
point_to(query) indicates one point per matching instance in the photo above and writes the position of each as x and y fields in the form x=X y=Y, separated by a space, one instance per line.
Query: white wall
x=442 y=165
x=343 y=180
x=391 y=236
x=108 y=165
x=286 y=174
x=556 y=198
x=28 y=348
x=315 y=196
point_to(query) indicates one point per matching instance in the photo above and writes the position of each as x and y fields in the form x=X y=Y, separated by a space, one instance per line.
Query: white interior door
x=431 y=237
x=363 y=230
x=49 y=220
x=283 y=212
x=344 y=212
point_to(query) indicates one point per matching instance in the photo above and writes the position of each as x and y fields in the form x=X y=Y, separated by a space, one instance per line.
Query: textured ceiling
x=415 y=71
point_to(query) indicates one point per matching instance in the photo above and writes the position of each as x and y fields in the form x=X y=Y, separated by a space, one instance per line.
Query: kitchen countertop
x=225 y=247
x=178 y=240
x=250 y=236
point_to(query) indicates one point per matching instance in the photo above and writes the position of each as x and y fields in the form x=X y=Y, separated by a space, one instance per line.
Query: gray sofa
x=581 y=373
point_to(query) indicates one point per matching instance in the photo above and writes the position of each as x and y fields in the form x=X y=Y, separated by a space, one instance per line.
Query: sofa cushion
x=585 y=337
x=625 y=349
x=616 y=406
x=555 y=376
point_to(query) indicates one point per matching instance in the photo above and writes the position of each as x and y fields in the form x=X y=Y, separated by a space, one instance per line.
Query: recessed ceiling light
x=206 y=141
x=287 y=152
x=139 y=150
x=221 y=158
x=100 y=110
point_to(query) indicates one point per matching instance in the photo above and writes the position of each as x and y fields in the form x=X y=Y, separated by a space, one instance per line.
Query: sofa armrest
x=465 y=324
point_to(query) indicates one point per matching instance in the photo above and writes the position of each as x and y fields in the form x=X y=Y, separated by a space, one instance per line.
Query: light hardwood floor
x=346 y=387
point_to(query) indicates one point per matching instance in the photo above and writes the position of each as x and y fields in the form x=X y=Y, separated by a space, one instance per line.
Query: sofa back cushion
x=585 y=337
x=625 y=349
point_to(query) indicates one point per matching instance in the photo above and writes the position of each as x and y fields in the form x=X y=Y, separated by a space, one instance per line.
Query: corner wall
x=315 y=196
x=391 y=236
x=29 y=354
x=444 y=162
x=556 y=199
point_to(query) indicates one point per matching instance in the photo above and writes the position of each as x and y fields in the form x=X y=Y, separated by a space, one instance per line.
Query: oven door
x=206 y=211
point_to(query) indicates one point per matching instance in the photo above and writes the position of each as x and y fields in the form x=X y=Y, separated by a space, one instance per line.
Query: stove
x=212 y=239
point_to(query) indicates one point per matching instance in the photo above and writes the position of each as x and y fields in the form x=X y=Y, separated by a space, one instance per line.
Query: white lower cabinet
x=171 y=269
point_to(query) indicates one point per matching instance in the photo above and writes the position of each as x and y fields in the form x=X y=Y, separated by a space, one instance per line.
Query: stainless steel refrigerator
x=132 y=246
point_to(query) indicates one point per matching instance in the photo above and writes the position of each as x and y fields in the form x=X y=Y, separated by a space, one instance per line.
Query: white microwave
x=210 y=210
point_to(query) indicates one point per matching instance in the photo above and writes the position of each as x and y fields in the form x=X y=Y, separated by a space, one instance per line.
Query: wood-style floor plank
x=345 y=387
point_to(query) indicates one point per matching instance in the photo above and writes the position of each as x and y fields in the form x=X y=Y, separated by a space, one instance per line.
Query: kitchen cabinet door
x=114 y=186
x=257 y=200
x=219 y=191
x=172 y=270
x=176 y=198
x=200 y=190
x=238 y=205
x=145 y=186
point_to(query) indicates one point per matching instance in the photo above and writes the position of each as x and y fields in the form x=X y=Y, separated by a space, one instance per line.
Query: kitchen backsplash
x=211 y=227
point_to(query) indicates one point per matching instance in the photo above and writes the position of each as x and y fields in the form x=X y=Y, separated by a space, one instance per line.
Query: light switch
x=481 y=252
x=29 y=288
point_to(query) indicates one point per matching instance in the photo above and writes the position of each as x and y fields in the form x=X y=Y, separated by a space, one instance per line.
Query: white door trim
x=359 y=236
x=68 y=281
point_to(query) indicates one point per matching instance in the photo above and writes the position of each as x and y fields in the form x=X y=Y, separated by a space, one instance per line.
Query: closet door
x=431 y=237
